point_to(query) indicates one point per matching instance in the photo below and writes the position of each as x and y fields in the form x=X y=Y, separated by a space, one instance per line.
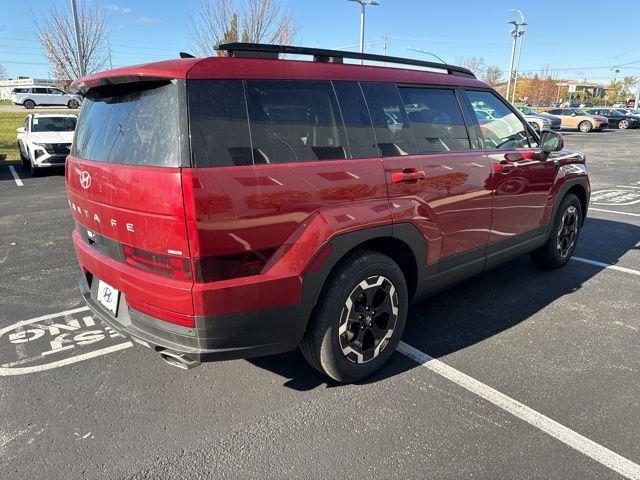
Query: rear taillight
x=225 y=267
x=167 y=265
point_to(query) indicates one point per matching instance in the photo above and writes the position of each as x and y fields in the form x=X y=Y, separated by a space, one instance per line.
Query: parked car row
x=582 y=119
x=39 y=96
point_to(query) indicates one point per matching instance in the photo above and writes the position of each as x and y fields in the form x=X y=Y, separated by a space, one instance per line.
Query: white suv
x=29 y=97
x=44 y=140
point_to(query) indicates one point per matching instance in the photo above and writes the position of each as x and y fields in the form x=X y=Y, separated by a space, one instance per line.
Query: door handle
x=408 y=175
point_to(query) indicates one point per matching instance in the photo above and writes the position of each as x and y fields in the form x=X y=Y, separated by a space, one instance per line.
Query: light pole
x=363 y=5
x=76 y=24
x=425 y=52
x=515 y=33
x=522 y=24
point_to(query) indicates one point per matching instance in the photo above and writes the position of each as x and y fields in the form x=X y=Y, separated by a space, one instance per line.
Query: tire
x=73 y=104
x=623 y=124
x=585 y=126
x=563 y=236
x=29 y=104
x=33 y=170
x=340 y=318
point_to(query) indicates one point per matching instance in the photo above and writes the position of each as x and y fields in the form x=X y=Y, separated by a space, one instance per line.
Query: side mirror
x=20 y=130
x=551 y=142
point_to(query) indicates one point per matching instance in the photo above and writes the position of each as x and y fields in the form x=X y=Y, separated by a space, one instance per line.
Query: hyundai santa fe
x=247 y=205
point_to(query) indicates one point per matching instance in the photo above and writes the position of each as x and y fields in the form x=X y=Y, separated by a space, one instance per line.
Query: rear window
x=134 y=124
x=436 y=119
x=293 y=121
x=19 y=90
x=390 y=121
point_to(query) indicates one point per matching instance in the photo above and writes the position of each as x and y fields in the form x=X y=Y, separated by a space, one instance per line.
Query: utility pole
x=515 y=33
x=363 y=5
x=385 y=40
x=76 y=25
x=637 y=97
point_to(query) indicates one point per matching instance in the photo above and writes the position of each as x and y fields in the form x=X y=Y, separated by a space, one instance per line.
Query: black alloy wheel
x=568 y=232
x=368 y=319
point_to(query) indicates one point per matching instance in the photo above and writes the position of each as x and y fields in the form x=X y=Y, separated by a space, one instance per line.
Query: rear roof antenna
x=186 y=55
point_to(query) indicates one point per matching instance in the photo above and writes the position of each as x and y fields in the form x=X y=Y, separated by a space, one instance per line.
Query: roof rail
x=263 y=50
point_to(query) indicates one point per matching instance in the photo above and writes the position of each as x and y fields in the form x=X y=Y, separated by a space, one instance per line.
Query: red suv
x=245 y=205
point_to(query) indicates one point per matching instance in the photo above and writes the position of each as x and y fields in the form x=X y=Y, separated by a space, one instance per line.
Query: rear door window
x=294 y=121
x=362 y=141
x=501 y=128
x=135 y=124
x=391 y=125
x=436 y=119
x=218 y=123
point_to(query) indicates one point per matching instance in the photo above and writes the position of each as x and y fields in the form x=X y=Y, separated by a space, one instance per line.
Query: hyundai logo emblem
x=106 y=295
x=85 y=179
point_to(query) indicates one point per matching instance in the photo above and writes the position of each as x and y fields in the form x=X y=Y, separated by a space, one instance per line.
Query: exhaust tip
x=178 y=360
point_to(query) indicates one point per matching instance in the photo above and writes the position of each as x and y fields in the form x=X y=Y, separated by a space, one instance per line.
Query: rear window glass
x=362 y=141
x=294 y=121
x=19 y=90
x=218 y=123
x=135 y=124
x=390 y=122
x=53 y=124
x=436 y=120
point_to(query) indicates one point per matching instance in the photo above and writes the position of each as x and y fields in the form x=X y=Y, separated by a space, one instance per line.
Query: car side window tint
x=500 y=126
x=390 y=122
x=294 y=121
x=219 y=125
x=436 y=119
x=40 y=90
x=362 y=141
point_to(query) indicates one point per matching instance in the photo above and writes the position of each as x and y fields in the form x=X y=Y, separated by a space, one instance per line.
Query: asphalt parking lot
x=526 y=373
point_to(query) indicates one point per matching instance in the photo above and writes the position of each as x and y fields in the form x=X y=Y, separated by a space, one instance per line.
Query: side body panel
x=451 y=207
x=284 y=212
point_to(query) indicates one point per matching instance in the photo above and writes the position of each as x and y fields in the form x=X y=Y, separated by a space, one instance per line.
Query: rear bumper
x=239 y=335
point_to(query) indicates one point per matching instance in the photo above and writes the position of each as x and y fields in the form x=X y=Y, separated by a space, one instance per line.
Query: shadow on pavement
x=481 y=307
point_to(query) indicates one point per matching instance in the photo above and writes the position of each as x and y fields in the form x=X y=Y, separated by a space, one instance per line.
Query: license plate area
x=108 y=297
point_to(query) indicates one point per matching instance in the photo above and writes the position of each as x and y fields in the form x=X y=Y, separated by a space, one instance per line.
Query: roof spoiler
x=262 y=50
x=83 y=85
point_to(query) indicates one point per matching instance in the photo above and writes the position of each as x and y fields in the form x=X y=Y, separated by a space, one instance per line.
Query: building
x=7 y=85
x=593 y=89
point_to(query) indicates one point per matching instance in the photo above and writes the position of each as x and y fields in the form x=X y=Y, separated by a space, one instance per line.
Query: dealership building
x=7 y=85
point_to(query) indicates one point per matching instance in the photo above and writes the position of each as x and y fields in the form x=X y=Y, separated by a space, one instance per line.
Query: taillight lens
x=244 y=264
x=167 y=265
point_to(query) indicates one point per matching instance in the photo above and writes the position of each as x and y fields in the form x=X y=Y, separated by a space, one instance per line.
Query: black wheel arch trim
x=342 y=244
x=562 y=192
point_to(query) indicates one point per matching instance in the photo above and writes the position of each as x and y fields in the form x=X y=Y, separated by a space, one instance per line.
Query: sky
x=576 y=39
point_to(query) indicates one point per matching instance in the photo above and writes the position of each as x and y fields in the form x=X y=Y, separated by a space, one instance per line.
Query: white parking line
x=607 y=265
x=582 y=444
x=15 y=176
x=614 y=211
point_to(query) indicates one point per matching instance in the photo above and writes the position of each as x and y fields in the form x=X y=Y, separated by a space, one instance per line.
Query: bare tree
x=57 y=36
x=492 y=75
x=256 y=21
x=475 y=64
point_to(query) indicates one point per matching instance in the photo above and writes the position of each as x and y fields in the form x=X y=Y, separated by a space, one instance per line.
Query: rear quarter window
x=134 y=124
x=218 y=123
